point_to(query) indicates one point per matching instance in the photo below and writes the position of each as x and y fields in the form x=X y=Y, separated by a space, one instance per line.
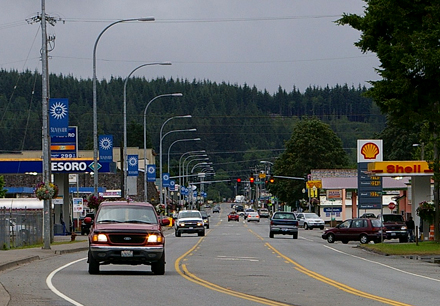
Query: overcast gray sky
x=266 y=43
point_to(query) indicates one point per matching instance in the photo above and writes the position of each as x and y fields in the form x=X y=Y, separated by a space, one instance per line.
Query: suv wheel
x=270 y=235
x=306 y=227
x=201 y=233
x=177 y=233
x=158 y=268
x=295 y=236
x=93 y=265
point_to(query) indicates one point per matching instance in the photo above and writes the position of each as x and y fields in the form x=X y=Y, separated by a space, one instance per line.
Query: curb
x=15 y=263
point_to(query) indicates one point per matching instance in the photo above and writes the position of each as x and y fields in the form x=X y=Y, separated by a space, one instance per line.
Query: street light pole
x=124 y=160
x=160 y=156
x=178 y=140
x=164 y=195
x=95 y=109
x=178 y=94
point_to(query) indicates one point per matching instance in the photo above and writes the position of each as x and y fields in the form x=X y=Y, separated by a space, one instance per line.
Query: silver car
x=310 y=221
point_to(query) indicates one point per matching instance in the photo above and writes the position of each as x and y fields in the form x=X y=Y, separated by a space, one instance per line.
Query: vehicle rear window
x=375 y=223
x=284 y=216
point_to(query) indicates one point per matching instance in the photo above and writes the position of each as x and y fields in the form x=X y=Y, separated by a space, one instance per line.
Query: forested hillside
x=238 y=125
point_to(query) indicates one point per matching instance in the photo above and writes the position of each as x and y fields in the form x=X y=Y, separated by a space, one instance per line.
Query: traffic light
x=271 y=180
x=251 y=180
x=239 y=180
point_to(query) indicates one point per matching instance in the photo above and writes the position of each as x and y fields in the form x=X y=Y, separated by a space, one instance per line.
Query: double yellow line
x=191 y=277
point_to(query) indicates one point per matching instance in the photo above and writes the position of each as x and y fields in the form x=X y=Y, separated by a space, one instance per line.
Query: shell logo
x=370 y=150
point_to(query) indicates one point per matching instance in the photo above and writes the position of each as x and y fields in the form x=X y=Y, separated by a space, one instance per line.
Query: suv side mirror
x=88 y=220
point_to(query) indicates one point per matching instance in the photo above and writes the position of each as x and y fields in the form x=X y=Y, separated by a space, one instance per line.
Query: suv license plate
x=126 y=253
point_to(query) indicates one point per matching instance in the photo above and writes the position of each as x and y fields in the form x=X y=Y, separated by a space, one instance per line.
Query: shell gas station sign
x=400 y=168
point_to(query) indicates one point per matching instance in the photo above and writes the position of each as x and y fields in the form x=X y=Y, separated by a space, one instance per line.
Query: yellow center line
x=329 y=281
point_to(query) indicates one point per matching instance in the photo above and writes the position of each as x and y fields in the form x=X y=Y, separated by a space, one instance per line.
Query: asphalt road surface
x=236 y=263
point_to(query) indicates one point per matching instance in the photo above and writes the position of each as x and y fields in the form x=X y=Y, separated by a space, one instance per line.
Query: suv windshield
x=392 y=218
x=127 y=214
x=189 y=214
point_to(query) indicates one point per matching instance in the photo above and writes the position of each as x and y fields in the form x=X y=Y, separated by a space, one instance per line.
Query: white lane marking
x=238 y=258
x=383 y=265
x=55 y=290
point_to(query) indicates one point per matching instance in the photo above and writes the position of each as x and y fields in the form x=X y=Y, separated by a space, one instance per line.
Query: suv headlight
x=200 y=223
x=403 y=228
x=99 y=238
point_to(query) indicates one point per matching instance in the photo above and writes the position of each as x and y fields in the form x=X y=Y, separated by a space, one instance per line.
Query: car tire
x=321 y=228
x=201 y=233
x=270 y=235
x=158 y=268
x=344 y=241
x=177 y=234
x=306 y=227
x=295 y=236
x=363 y=239
x=237 y=220
x=93 y=265
x=331 y=238
x=207 y=227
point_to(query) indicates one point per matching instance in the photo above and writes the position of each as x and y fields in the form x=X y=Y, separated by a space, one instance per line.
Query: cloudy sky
x=266 y=43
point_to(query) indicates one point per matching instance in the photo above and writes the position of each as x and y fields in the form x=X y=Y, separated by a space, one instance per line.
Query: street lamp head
x=165 y=63
x=186 y=116
x=177 y=94
x=146 y=19
x=192 y=130
x=196 y=139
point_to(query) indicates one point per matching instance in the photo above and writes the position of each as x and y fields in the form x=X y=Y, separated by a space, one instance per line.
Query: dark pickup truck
x=283 y=223
x=396 y=227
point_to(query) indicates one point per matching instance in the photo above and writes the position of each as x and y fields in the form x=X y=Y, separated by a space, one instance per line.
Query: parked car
x=283 y=223
x=205 y=217
x=126 y=233
x=85 y=227
x=233 y=216
x=253 y=216
x=264 y=213
x=395 y=226
x=189 y=221
x=359 y=229
x=310 y=221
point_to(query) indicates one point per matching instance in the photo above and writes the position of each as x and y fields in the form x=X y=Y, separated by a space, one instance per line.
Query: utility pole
x=46 y=155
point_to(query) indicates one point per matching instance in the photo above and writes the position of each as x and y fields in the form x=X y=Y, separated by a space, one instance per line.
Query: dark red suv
x=128 y=234
x=359 y=229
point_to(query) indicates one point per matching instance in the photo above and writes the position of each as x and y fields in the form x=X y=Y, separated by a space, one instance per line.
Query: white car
x=252 y=216
x=310 y=221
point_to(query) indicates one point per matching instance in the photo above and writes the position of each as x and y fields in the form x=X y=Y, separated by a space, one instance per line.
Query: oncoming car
x=189 y=221
x=126 y=233
x=310 y=221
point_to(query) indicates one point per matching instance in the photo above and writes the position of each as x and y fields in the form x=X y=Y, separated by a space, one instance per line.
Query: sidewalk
x=15 y=257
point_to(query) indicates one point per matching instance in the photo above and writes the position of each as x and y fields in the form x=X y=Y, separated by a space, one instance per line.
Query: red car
x=360 y=229
x=233 y=216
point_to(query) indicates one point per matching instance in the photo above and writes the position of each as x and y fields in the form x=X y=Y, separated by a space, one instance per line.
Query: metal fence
x=20 y=227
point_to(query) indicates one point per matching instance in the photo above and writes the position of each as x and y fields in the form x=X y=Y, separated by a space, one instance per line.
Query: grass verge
x=423 y=248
